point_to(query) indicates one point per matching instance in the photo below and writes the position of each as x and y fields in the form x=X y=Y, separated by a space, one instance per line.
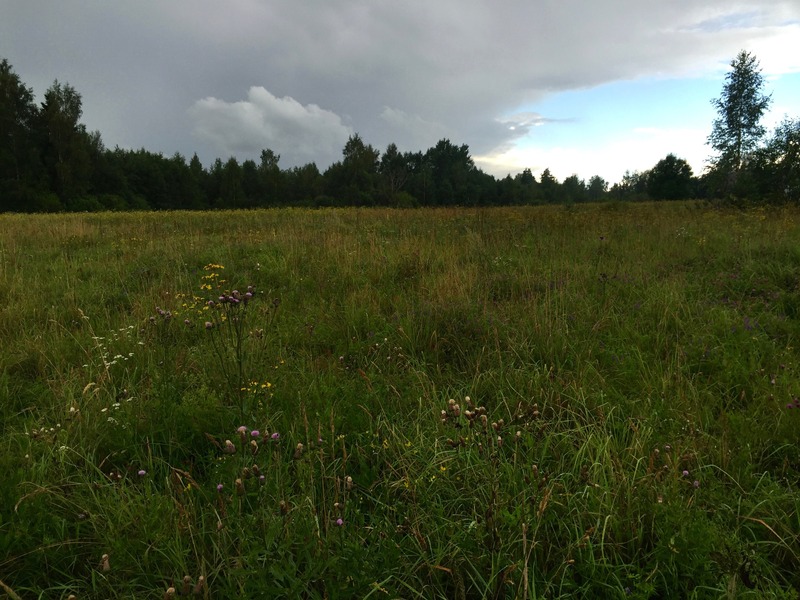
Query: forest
x=50 y=162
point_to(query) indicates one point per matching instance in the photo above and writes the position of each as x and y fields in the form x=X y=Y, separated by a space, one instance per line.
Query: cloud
x=405 y=72
x=412 y=132
x=299 y=133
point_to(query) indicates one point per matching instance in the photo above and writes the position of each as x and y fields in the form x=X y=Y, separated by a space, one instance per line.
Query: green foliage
x=670 y=179
x=737 y=129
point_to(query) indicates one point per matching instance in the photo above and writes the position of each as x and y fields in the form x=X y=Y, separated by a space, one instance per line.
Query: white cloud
x=299 y=133
x=641 y=148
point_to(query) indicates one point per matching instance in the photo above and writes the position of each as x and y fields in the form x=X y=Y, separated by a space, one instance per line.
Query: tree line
x=50 y=162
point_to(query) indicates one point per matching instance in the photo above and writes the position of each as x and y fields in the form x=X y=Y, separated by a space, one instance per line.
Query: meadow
x=597 y=401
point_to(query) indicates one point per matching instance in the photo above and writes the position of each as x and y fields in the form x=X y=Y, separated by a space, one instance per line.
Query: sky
x=580 y=87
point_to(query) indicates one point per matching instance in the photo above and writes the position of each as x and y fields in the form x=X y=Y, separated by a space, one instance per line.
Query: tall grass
x=504 y=403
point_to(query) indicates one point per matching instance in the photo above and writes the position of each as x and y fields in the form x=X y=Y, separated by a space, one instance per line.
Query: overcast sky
x=579 y=86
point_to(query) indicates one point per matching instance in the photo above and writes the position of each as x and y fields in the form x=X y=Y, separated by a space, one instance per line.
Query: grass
x=504 y=403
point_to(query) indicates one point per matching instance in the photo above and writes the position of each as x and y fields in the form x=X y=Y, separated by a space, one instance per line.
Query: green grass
x=628 y=369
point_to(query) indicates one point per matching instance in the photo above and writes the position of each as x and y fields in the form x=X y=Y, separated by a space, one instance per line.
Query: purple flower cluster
x=795 y=403
x=234 y=298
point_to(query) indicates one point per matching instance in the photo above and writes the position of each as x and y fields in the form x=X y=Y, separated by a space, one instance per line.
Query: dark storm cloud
x=299 y=76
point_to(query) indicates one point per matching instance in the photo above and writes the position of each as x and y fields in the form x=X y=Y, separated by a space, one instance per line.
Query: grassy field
x=594 y=402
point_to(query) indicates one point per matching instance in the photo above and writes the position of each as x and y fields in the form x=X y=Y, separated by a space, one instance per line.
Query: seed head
x=199 y=586
x=298 y=451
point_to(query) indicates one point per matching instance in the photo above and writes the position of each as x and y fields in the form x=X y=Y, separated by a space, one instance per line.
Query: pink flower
x=339 y=522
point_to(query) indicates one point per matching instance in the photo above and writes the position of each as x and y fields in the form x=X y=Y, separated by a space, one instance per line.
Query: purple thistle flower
x=142 y=473
x=685 y=473
x=255 y=433
x=339 y=522
x=275 y=435
x=219 y=487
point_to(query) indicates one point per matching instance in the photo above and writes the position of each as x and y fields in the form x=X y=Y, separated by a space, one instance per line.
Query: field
x=599 y=402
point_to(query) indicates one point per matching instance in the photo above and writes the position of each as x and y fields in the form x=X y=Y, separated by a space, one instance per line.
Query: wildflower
x=275 y=436
x=696 y=484
x=348 y=481
x=261 y=479
x=685 y=473
x=239 y=487
x=255 y=433
x=219 y=487
x=142 y=473
x=105 y=564
x=229 y=447
x=253 y=447
x=209 y=325
x=298 y=451
x=339 y=522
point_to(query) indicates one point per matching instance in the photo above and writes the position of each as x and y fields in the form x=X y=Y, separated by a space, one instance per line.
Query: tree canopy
x=50 y=162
